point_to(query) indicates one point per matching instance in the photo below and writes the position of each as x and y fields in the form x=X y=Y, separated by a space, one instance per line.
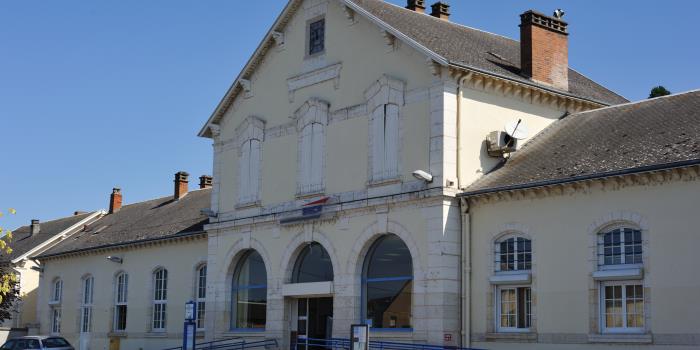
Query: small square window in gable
x=317 y=36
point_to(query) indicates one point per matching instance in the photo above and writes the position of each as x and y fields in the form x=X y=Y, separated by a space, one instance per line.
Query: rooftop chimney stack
x=544 y=49
x=205 y=181
x=115 y=200
x=181 y=184
x=416 y=5
x=441 y=10
x=35 y=227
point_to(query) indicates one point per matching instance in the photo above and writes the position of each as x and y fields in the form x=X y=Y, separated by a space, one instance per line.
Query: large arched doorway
x=313 y=267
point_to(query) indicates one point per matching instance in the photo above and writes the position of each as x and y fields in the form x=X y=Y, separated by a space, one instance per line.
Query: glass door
x=314 y=323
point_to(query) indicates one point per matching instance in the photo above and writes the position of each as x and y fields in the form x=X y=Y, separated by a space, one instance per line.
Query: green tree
x=658 y=91
x=8 y=280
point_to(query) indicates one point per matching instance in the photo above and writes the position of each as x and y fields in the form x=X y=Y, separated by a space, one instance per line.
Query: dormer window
x=316 y=37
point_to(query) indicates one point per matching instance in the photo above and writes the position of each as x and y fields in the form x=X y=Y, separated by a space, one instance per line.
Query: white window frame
x=121 y=297
x=497 y=309
x=56 y=319
x=601 y=308
x=201 y=295
x=160 y=301
x=600 y=236
x=87 y=298
x=56 y=291
x=497 y=254
x=312 y=119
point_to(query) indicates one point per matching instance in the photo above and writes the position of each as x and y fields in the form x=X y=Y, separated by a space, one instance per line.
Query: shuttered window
x=385 y=142
x=249 y=185
x=311 y=172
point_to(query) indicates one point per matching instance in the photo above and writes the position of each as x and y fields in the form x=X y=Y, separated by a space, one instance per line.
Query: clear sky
x=97 y=94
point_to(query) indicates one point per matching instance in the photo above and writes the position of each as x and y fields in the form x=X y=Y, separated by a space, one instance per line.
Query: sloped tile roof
x=150 y=220
x=659 y=132
x=23 y=241
x=474 y=48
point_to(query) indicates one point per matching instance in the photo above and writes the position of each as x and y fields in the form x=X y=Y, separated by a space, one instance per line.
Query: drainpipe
x=465 y=275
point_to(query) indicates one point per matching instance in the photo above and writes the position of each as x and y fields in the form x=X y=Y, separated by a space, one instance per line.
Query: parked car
x=37 y=343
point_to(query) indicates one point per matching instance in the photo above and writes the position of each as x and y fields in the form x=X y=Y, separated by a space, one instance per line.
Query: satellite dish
x=517 y=130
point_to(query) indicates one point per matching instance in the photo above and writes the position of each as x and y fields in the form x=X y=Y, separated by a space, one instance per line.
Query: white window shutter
x=391 y=141
x=317 y=156
x=305 y=153
x=378 y=142
x=254 y=174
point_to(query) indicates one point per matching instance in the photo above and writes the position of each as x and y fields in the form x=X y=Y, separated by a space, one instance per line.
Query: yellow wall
x=180 y=259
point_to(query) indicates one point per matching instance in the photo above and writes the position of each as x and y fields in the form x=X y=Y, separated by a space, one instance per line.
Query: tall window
x=55 y=305
x=312 y=143
x=622 y=307
x=86 y=304
x=621 y=301
x=249 y=293
x=388 y=284
x=620 y=246
x=313 y=265
x=160 y=299
x=249 y=168
x=120 y=298
x=201 y=295
x=317 y=36
x=385 y=142
x=513 y=254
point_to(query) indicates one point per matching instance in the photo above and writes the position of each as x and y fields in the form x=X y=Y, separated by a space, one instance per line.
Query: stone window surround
x=607 y=222
x=385 y=90
x=113 y=315
x=506 y=231
x=151 y=307
x=251 y=128
x=201 y=263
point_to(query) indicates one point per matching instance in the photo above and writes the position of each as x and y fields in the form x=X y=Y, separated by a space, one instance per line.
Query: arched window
x=388 y=284
x=249 y=293
x=160 y=299
x=201 y=295
x=86 y=304
x=313 y=265
x=620 y=246
x=121 y=287
x=513 y=254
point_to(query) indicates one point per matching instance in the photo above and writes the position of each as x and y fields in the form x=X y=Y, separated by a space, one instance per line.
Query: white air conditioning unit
x=499 y=143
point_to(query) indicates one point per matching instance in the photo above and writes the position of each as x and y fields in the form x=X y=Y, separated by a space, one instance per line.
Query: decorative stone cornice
x=314 y=77
x=611 y=183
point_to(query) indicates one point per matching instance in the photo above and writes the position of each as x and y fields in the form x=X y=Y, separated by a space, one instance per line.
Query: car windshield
x=55 y=343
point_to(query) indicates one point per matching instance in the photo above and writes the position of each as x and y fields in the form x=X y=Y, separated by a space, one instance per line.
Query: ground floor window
x=622 y=307
x=249 y=293
x=514 y=309
x=120 y=317
x=55 y=319
x=85 y=319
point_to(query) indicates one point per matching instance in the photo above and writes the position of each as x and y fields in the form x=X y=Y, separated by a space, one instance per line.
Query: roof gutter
x=629 y=171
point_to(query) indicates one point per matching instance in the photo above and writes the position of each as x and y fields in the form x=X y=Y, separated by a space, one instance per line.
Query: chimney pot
x=441 y=10
x=181 y=184
x=544 y=49
x=416 y=5
x=115 y=200
x=35 y=227
x=205 y=181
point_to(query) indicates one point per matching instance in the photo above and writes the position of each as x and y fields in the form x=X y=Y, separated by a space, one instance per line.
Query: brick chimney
x=181 y=184
x=35 y=227
x=115 y=200
x=441 y=10
x=205 y=181
x=544 y=49
x=416 y=5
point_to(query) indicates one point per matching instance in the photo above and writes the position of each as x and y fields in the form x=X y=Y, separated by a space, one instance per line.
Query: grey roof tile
x=150 y=220
x=474 y=48
x=658 y=132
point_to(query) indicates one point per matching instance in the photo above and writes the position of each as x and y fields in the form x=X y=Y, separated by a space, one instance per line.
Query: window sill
x=620 y=338
x=632 y=273
x=518 y=337
x=511 y=278
x=384 y=182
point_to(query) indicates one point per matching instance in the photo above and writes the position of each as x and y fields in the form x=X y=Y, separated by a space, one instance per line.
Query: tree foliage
x=658 y=91
x=8 y=280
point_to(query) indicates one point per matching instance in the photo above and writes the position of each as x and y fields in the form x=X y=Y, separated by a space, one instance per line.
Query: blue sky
x=97 y=94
